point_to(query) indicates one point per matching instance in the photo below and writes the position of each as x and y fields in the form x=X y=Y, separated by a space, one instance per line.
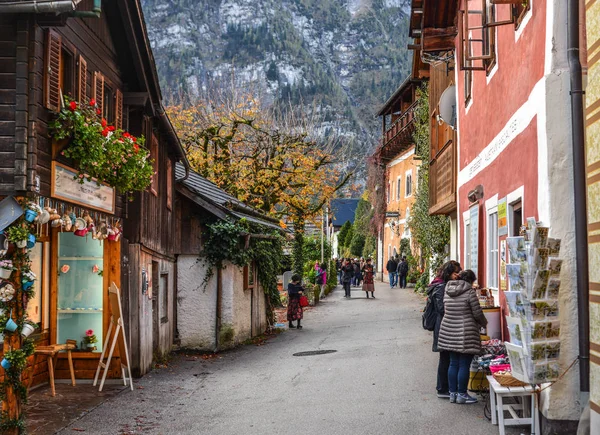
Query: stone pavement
x=380 y=380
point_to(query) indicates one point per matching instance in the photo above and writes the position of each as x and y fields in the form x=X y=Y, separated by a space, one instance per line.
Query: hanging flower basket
x=103 y=152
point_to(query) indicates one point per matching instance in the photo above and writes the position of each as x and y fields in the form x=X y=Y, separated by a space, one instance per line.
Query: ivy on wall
x=431 y=233
x=225 y=243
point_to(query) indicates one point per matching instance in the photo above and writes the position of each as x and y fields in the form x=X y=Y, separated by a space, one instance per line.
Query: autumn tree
x=275 y=161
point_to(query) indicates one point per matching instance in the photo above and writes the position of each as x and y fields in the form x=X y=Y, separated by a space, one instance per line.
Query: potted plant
x=32 y=210
x=28 y=328
x=18 y=235
x=6 y=269
x=90 y=340
x=15 y=359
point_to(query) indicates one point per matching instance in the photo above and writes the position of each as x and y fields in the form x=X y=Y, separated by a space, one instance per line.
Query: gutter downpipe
x=579 y=178
x=38 y=7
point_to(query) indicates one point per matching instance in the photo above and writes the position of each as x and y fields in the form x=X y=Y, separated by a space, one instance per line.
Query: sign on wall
x=502 y=218
x=474 y=214
x=66 y=186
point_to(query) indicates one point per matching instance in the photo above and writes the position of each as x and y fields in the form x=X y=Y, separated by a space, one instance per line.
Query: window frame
x=492 y=249
x=249 y=283
x=398 y=188
x=164 y=296
x=408 y=184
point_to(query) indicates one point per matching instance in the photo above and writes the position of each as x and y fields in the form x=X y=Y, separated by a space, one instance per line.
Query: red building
x=514 y=157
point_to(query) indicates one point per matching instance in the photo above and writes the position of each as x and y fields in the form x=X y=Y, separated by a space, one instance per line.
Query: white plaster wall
x=556 y=205
x=196 y=304
x=236 y=308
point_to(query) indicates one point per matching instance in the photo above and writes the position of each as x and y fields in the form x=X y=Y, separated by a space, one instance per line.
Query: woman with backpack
x=459 y=333
x=435 y=299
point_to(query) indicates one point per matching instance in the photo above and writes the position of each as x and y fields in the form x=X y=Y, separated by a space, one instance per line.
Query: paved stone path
x=380 y=380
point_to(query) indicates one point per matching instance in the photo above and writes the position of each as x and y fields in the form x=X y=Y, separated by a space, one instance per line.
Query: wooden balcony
x=399 y=136
x=442 y=180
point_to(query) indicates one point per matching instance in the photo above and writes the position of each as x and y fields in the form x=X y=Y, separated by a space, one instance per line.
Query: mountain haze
x=345 y=56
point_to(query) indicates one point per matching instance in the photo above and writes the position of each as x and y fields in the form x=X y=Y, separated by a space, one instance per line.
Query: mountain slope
x=346 y=56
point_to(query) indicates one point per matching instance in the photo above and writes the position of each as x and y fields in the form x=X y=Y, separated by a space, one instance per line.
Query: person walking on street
x=391 y=267
x=356 y=276
x=347 y=272
x=402 y=272
x=294 y=310
x=321 y=279
x=368 y=283
x=338 y=269
x=459 y=333
x=435 y=292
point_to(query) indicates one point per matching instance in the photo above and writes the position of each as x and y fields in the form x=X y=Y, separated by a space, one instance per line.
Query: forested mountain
x=345 y=57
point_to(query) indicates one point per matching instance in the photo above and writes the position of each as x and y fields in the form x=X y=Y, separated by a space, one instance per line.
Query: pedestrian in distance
x=368 y=283
x=294 y=310
x=402 y=272
x=435 y=292
x=459 y=333
x=338 y=269
x=362 y=275
x=391 y=267
x=321 y=279
x=347 y=273
x=356 y=276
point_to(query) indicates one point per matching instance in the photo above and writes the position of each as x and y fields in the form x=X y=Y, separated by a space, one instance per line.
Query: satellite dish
x=448 y=106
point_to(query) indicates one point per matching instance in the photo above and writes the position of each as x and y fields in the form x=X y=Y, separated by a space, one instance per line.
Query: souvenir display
x=534 y=323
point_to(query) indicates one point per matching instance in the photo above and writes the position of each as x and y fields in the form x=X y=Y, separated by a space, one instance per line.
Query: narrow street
x=380 y=380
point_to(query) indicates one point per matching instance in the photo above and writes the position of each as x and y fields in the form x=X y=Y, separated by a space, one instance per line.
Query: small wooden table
x=51 y=353
x=529 y=416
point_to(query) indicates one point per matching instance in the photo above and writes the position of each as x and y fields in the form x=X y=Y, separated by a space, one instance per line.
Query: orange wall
x=397 y=170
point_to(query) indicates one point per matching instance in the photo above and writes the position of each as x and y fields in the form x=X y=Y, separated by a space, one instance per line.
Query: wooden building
x=89 y=50
x=397 y=153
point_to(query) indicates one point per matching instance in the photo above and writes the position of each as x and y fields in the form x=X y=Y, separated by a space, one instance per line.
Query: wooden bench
x=529 y=413
x=51 y=354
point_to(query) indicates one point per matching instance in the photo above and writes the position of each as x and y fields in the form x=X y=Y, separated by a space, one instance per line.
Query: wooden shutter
x=154 y=156
x=98 y=91
x=119 y=109
x=52 y=71
x=82 y=81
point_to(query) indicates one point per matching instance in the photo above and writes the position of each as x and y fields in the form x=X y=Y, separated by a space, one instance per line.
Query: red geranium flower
x=103 y=123
x=111 y=128
x=92 y=102
x=136 y=148
x=105 y=132
x=72 y=106
x=98 y=112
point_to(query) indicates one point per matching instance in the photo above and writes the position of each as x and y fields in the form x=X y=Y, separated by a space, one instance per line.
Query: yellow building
x=397 y=153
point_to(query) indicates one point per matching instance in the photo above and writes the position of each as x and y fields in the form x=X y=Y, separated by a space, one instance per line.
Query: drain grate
x=315 y=352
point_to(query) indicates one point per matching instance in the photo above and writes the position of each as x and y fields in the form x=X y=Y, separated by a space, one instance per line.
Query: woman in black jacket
x=436 y=290
x=294 y=310
x=347 y=274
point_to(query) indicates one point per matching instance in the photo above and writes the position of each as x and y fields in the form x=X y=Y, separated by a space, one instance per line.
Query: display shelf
x=81 y=258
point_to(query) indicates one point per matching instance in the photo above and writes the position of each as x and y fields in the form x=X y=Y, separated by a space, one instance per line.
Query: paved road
x=380 y=381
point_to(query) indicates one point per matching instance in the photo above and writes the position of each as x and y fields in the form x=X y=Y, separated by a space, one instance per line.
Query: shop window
x=164 y=297
x=492 y=242
x=408 y=190
x=516 y=215
x=80 y=292
x=249 y=276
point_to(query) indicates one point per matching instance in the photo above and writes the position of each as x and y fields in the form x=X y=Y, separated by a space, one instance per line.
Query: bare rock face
x=345 y=56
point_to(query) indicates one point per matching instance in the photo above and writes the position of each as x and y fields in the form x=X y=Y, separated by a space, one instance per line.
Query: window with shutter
x=118 y=109
x=169 y=184
x=82 y=81
x=52 y=70
x=98 y=91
